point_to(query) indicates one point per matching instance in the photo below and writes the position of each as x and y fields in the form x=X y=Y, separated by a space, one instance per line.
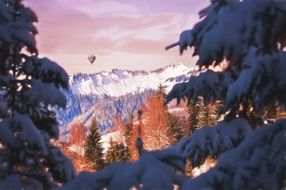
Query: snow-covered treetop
x=24 y=77
x=17 y=25
x=228 y=29
x=250 y=37
x=29 y=88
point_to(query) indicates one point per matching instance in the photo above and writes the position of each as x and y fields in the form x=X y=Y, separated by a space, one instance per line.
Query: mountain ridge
x=117 y=82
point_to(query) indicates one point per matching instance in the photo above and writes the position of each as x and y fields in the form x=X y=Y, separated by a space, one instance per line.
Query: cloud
x=115 y=31
x=154 y=33
x=107 y=8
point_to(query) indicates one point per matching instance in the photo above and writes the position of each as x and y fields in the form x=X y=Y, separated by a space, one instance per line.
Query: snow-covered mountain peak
x=120 y=82
x=173 y=69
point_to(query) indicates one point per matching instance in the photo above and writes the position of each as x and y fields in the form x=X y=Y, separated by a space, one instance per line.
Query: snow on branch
x=49 y=94
x=60 y=75
x=225 y=33
x=29 y=88
x=6 y=135
x=212 y=141
x=258 y=162
x=28 y=133
x=47 y=70
x=210 y=84
x=18 y=28
x=20 y=32
x=60 y=166
x=251 y=44
x=149 y=172
x=262 y=80
x=20 y=130
x=28 y=15
x=14 y=182
x=6 y=13
x=184 y=41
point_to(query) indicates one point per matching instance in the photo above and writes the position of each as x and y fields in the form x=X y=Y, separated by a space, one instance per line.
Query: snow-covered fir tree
x=29 y=88
x=250 y=37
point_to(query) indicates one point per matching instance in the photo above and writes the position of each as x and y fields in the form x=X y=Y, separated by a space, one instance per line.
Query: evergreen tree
x=93 y=149
x=208 y=115
x=217 y=111
x=117 y=152
x=208 y=112
x=194 y=111
x=201 y=114
x=176 y=130
x=30 y=90
x=161 y=92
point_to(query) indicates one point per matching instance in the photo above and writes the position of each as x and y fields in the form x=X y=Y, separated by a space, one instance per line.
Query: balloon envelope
x=91 y=58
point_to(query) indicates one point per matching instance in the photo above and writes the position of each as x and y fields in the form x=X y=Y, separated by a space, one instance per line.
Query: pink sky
x=123 y=34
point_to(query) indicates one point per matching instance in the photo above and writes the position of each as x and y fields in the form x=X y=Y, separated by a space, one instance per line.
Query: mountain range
x=106 y=95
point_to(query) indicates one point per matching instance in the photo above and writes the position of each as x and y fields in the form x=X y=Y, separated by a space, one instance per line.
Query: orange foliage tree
x=77 y=134
x=156 y=131
x=74 y=148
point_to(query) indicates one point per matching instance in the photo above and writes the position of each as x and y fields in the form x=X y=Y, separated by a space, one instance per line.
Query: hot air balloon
x=91 y=58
